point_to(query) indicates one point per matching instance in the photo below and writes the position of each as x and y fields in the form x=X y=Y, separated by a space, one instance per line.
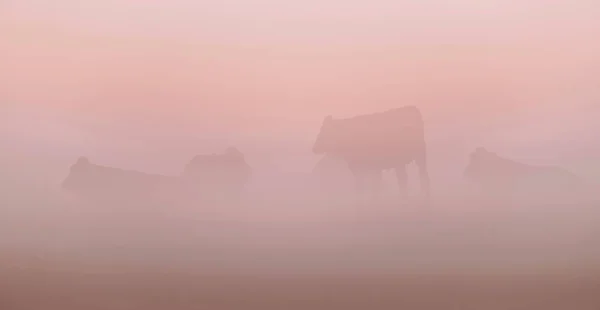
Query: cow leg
x=402 y=178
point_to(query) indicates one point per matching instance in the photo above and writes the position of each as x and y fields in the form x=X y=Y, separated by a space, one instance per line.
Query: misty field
x=280 y=250
x=40 y=287
x=266 y=254
x=301 y=97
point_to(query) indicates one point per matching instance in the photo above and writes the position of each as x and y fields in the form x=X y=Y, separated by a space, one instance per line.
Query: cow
x=219 y=174
x=111 y=184
x=372 y=143
x=506 y=178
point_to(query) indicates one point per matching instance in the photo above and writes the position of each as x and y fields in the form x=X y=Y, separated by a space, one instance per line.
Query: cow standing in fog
x=503 y=178
x=109 y=184
x=375 y=142
x=223 y=175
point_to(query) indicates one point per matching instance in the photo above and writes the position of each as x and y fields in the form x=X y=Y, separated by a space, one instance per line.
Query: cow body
x=219 y=174
x=505 y=178
x=375 y=142
x=114 y=184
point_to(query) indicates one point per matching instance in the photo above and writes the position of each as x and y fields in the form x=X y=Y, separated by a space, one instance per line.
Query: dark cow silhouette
x=504 y=177
x=110 y=184
x=376 y=142
x=220 y=174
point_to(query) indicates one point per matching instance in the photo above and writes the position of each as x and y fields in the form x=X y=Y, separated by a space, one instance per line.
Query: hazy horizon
x=255 y=67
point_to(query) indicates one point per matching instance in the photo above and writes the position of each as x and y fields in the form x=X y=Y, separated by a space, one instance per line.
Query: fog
x=147 y=90
x=284 y=224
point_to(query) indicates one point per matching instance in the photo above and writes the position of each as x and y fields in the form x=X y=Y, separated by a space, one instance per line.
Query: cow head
x=481 y=163
x=208 y=167
x=77 y=174
x=233 y=152
x=326 y=137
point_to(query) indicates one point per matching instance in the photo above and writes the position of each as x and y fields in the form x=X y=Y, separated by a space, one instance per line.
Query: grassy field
x=47 y=286
x=291 y=253
x=78 y=257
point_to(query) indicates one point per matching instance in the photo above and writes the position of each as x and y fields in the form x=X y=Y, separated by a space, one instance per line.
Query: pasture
x=283 y=251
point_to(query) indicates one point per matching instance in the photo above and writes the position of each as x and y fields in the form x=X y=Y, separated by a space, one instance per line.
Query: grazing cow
x=110 y=184
x=505 y=177
x=220 y=174
x=375 y=142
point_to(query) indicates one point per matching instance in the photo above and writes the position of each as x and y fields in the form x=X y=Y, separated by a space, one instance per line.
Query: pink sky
x=258 y=65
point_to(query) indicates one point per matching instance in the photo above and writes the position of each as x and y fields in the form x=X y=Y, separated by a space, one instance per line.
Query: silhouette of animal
x=505 y=177
x=226 y=173
x=108 y=183
x=375 y=142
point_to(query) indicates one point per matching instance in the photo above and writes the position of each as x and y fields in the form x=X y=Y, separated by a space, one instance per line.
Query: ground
x=295 y=254
x=43 y=287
